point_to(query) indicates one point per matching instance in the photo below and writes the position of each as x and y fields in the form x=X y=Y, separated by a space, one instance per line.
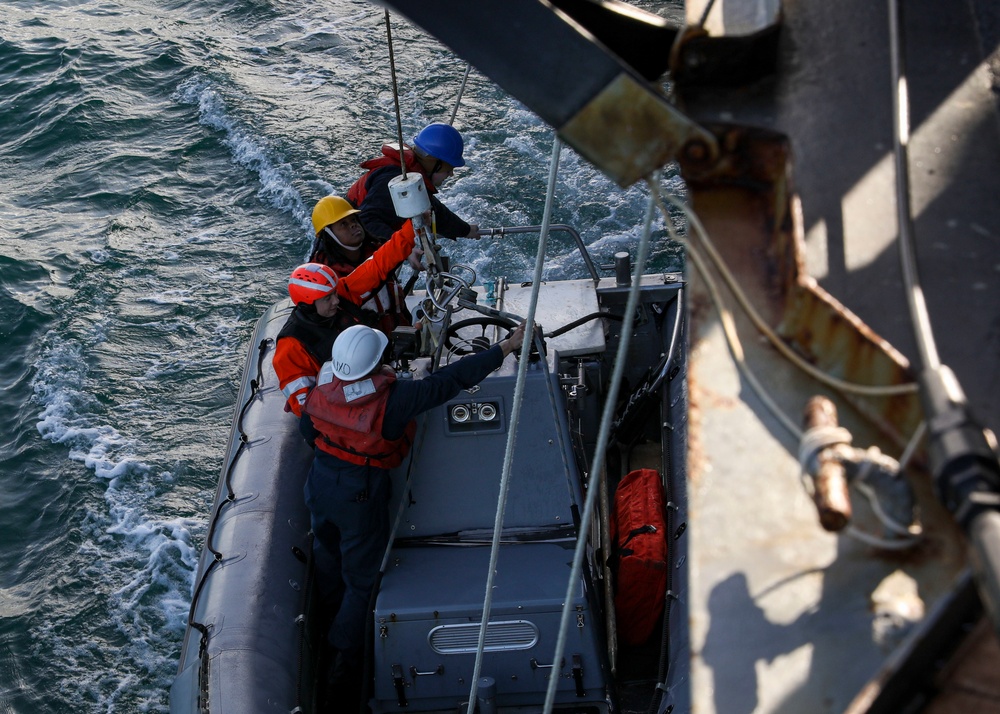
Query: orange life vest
x=390 y=157
x=387 y=300
x=348 y=417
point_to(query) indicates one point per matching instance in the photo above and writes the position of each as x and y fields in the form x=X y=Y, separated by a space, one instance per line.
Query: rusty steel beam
x=747 y=202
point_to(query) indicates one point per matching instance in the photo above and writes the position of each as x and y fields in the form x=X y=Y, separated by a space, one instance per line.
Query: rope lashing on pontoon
x=255 y=387
x=600 y=451
x=522 y=371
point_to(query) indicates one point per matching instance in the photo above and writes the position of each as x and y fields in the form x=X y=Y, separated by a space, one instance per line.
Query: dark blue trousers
x=350 y=519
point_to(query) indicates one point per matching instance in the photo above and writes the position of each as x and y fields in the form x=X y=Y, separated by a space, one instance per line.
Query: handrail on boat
x=591 y=268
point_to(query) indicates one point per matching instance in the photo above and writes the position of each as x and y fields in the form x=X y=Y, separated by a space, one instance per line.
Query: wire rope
x=395 y=93
x=461 y=91
x=600 y=450
x=926 y=348
x=522 y=370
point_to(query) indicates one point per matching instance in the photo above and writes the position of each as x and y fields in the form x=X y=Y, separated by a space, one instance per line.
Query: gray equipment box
x=456 y=463
x=427 y=622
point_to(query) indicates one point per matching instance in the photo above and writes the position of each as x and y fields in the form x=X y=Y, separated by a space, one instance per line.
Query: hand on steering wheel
x=477 y=334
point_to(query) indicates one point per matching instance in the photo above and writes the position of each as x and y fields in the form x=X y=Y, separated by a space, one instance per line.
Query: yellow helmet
x=331 y=209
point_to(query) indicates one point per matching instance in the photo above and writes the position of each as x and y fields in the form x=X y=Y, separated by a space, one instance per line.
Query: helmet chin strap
x=336 y=240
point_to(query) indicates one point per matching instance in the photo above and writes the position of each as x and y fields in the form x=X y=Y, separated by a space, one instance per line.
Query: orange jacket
x=294 y=362
x=384 y=296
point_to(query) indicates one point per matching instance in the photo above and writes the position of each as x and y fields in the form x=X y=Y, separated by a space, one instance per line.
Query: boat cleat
x=834 y=466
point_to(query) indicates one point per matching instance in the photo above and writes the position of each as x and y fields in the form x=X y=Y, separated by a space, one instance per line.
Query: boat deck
x=787 y=617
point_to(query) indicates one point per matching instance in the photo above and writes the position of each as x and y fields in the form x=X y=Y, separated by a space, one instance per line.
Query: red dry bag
x=639 y=542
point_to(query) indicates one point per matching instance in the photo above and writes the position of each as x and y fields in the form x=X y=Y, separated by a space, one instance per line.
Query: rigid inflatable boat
x=253 y=640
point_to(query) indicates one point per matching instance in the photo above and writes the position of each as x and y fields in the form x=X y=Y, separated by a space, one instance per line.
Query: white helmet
x=357 y=351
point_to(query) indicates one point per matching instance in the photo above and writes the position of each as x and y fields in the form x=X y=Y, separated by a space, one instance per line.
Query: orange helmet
x=311 y=281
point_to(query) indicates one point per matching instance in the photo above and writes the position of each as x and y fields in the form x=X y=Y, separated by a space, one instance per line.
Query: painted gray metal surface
x=428 y=589
x=565 y=301
x=455 y=468
x=455 y=485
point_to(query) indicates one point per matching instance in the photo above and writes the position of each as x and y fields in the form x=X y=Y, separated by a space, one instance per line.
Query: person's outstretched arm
x=412 y=397
x=368 y=276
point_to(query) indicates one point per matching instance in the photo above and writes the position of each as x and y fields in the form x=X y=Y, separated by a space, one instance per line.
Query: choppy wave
x=275 y=177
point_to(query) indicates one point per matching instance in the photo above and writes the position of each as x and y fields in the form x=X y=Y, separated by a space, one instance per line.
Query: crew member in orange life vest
x=435 y=154
x=343 y=244
x=326 y=304
x=360 y=419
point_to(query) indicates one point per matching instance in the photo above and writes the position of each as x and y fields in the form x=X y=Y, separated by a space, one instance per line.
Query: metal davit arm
x=601 y=106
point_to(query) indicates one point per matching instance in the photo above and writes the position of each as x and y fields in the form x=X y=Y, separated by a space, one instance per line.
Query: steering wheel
x=467 y=337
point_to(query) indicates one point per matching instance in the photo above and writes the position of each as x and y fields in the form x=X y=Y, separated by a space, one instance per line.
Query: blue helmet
x=442 y=141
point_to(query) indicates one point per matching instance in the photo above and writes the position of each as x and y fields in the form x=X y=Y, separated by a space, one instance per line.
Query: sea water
x=159 y=161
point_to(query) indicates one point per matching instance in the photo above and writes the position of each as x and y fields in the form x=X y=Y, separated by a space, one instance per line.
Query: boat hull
x=253 y=654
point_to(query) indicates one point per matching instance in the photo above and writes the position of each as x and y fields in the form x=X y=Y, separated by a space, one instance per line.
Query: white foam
x=147 y=562
x=169 y=297
x=248 y=151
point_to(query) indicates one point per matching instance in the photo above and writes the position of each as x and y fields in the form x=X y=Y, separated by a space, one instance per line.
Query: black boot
x=343 y=686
